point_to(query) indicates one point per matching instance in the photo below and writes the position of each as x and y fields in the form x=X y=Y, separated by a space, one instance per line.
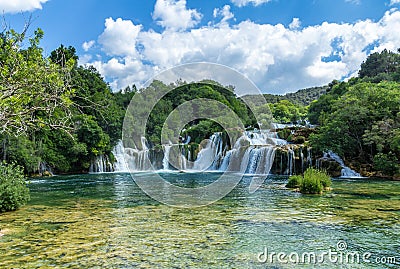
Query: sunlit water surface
x=106 y=221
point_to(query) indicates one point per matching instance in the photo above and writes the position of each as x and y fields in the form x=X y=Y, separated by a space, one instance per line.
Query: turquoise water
x=106 y=221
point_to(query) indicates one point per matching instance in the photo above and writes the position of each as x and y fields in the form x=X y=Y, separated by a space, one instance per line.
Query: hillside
x=301 y=97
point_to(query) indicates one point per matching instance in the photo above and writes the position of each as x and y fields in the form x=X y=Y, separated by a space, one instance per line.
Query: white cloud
x=174 y=15
x=394 y=2
x=124 y=72
x=224 y=12
x=242 y=3
x=295 y=24
x=278 y=59
x=119 y=37
x=15 y=6
x=87 y=45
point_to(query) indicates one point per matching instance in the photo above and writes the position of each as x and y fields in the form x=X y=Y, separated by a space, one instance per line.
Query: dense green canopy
x=360 y=119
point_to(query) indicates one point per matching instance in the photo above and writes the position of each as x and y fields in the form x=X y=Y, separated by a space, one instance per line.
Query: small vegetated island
x=311 y=182
x=60 y=117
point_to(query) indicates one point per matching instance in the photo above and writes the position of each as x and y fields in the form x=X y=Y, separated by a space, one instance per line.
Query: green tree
x=319 y=109
x=381 y=66
x=181 y=94
x=285 y=111
x=387 y=163
x=34 y=92
x=13 y=190
x=364 y=122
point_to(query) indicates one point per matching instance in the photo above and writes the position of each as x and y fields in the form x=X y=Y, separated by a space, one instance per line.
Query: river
x=106 y=221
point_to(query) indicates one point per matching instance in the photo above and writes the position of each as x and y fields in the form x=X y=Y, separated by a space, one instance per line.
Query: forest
x=55 y=113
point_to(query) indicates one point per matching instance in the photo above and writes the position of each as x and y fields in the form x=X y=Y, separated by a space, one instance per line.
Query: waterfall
x=225 y=161
x=346 y=171
x=252 y=153
x=260 y=160
x=210 y=156
x=309 y=157
x=127 y=159
x=291 y=161
x=45 y=169
x=253 y=160
x=101 y=164
x=302 y=159
x=167 y=149
x=264 y=137
x=119 y=155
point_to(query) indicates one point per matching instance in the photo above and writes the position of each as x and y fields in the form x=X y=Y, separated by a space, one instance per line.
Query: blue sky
x=281 y=45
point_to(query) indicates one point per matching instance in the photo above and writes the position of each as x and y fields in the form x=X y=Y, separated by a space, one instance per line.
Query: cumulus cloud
x=119 y=37
x=174 y=15
x=242 y=3
x=224 y=12
x=295 y=24
x=87 y=45
x=124 y=72
x=15 y=6
x=393 y=2
x=278 y=59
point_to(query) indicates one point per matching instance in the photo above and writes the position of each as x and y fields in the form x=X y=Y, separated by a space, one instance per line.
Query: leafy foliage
x=34 y=92
x=349 y=129
x=294 y=181
x=199 y=128
x=52 y=110
x=319 y=110
x=13 y=190
x=286 y=112
x=302 y=97
x=387 y=163
x=312 y=182
x=381 y=66
x=360 y=119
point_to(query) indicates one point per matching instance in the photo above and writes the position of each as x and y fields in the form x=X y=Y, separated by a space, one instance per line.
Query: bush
x=315 y=181
x=386 y=163
x=294 y=182
x=284 y=133
x=299 y=139
x=13 y=190
x=312 y=182
x=311 y=185
x=324 y=178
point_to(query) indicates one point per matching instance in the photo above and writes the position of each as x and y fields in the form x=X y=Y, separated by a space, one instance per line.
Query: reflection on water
x=107 y=221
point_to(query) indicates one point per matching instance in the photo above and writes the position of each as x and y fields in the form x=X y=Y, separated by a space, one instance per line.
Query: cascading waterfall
x=101 y=165
x=261 y=160
x=119 y=155
x=346 y=171
x=210 y=156
x=302 y=159
x=309 y=157
x=252 y=153
x=126 y=159
x=291 y=161
x=45 y=169
x=225 y=161
x=167 y=149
